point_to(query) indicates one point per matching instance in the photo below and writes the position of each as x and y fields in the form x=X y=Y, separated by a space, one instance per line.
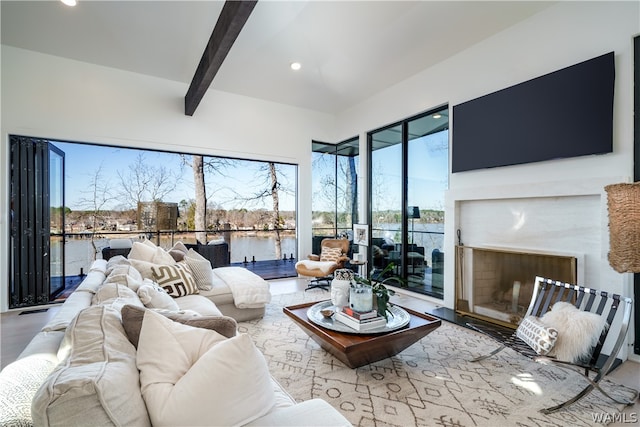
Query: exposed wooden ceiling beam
x=232 y=18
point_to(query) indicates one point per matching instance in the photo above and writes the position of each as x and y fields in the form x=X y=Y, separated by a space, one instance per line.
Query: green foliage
x=380 y=291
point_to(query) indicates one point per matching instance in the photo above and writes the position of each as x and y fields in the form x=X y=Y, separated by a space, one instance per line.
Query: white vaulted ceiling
x=349 y=50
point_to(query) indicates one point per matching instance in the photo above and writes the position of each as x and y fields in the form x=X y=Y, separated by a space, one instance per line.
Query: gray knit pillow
x=537 y=335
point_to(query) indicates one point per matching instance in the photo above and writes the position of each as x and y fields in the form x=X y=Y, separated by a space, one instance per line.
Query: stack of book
x=360 y=321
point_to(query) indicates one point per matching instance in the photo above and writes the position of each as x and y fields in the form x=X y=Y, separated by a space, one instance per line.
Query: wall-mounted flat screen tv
x=567 y=113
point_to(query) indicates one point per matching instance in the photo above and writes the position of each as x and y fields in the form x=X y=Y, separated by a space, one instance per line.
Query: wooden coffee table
x=357 y=349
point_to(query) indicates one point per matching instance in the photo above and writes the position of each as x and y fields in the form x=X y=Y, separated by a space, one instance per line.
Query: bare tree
x=269 y=186
x=339 y=183
x=98 y=195
x=276 y=208
x=200 y=216
x=146 y=182
x=200 y=164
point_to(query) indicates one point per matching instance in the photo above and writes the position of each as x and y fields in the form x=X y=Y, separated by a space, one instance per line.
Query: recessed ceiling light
x=69 y=2
x=295 y=66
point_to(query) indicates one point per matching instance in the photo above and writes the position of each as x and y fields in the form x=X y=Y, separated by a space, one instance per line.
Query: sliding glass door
x=427 y=181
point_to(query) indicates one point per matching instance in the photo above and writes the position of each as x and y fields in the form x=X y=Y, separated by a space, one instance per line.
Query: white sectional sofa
x=84 y=369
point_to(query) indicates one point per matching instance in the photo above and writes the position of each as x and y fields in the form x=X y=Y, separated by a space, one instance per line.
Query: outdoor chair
x=333 y=255
x=535 y=339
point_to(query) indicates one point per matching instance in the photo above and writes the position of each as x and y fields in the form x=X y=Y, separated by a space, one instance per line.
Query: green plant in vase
x=381 y=293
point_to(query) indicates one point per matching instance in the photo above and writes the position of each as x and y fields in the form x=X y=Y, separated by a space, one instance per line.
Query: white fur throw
x=578 y=331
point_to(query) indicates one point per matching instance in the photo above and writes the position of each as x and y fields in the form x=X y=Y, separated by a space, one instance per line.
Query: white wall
x=51 y=97
x=563 y=35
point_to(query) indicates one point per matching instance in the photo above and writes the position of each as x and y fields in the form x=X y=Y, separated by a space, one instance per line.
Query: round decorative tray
x=399 y=319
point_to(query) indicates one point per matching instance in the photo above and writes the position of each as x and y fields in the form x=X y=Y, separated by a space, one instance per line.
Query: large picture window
x=334 y=185
x=408 y=177
x=90 y=194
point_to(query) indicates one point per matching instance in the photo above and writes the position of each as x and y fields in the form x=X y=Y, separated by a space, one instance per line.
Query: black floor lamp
x=414 y=213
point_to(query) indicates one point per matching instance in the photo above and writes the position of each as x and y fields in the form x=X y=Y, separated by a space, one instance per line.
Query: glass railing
x=81 y=249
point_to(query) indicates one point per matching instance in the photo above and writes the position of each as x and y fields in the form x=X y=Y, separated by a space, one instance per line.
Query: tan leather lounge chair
x=333 y=255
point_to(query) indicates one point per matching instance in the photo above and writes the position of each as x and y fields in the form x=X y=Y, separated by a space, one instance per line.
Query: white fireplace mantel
x=561 y=216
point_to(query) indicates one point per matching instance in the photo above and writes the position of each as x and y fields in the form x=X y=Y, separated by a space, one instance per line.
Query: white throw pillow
x=201 y=269
x=142 y=252
x=578 y=331
x=153 y=296
x=154 y=254
x=202 y=378
x=143 y=267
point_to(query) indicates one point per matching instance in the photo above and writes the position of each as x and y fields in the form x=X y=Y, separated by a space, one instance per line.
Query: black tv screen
x=567 y=113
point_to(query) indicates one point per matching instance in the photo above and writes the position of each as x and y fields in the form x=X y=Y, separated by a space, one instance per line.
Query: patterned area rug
x=432 y=383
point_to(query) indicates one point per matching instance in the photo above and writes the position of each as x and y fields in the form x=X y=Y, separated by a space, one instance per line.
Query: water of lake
x=79 y=252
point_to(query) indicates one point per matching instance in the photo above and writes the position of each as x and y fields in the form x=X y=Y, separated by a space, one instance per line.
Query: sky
x=242 y=179
x=428 y=172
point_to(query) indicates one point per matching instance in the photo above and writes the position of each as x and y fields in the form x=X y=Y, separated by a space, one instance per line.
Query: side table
x=362 y=267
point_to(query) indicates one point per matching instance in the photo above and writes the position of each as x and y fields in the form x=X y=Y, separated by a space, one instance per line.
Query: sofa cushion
x=115 y=295
x=127 y=275
x=115 y=261
x=176 y=279
x=132 y=321
x=199 y=304
x=153 y=296
x=97 y=383
x=200 y=268
x=99 y=265
x=74 y=303
x=202 y=378
x=92 y=282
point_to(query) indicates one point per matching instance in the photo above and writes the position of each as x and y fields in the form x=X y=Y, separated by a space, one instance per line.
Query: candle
x=361 y=298
x=515 y=296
